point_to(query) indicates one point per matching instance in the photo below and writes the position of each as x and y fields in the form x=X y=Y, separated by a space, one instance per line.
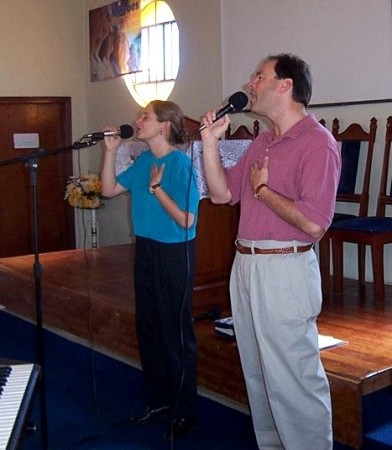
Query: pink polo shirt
x=304 y=165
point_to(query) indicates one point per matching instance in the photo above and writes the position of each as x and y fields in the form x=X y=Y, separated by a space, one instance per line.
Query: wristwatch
x=153 y=187
x=256 y=192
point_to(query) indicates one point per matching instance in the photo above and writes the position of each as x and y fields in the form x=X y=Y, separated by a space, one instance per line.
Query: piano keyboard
x=17 y=386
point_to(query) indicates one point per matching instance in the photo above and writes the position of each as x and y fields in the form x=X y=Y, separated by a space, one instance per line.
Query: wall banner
x=115 y=40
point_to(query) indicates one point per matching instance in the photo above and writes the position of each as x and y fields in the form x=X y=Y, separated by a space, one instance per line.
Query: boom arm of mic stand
x=78 y=144
x=40 y=153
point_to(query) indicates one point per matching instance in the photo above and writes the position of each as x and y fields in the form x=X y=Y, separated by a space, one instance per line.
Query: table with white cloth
x=230 y=151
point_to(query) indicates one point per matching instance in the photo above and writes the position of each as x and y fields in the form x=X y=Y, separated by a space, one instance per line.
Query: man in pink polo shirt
x=286 y=183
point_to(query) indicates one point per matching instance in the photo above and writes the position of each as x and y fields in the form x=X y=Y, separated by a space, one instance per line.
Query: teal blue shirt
x=149 y=218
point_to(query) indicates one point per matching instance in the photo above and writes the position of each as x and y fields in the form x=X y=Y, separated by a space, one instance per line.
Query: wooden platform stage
x=89 y=294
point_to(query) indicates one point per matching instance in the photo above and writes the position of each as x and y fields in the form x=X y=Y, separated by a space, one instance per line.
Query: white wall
x=41 y=52
x=347 y=43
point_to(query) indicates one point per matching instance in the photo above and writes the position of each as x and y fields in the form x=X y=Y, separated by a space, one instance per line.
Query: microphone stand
x=32 y=164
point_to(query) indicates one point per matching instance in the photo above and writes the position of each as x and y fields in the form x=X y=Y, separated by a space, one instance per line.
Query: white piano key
x=11 y=399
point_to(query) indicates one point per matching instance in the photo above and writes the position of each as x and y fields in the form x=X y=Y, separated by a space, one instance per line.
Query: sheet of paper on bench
x=328 y=342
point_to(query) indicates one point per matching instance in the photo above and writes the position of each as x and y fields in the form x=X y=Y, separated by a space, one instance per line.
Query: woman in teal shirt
x=165 y=199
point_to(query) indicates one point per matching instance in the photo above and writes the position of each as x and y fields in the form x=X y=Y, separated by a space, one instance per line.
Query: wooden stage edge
x=87 y=296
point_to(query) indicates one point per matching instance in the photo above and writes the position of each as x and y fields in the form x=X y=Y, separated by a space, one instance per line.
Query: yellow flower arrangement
x=84 y=191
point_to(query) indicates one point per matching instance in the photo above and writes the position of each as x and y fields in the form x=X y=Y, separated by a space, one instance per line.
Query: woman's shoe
x=179 y=428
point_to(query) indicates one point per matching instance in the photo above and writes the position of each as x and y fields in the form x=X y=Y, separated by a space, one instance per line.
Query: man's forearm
x=285 y=208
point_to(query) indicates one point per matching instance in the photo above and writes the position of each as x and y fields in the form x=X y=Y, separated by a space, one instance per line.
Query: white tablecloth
x=230 y=151
x=127 y=153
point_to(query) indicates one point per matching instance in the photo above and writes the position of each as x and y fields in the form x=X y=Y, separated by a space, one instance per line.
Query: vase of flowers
x=85 y=192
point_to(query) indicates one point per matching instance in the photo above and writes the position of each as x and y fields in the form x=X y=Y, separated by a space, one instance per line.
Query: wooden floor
x=89 y=294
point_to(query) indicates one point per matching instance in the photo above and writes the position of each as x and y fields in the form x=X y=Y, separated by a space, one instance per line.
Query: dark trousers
x=164 y=276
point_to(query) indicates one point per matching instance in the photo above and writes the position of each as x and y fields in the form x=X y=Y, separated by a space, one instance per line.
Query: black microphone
x=126 y=131
x=236 y=102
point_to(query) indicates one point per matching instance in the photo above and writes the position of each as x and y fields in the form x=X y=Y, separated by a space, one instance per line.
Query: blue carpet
x=377 y=409
x=90 y=398
x=80 y=416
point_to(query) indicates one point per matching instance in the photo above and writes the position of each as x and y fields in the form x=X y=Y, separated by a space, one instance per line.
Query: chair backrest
x=353 y=188
x=385 y=194
x=242 y=132
x=192 y=127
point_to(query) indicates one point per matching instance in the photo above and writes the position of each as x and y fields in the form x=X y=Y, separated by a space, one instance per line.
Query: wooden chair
x=242 y=132
x=352 y=188
x=373 y=231
x=192 y=127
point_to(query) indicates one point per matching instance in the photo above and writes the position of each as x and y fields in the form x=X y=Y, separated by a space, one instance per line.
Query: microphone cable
x=99 y=432
x=91 y=339
x=186 y=287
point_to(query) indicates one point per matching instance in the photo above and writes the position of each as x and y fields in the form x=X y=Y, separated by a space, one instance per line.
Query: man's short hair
x=292 y=66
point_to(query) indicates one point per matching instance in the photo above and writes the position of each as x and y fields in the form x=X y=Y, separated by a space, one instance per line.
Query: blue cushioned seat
x=366 y=224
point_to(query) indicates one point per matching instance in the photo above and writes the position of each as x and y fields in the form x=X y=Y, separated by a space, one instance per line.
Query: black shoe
x=179 y=428
x=151 y=414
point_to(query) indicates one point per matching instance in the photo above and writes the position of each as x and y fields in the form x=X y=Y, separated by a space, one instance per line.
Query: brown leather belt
x=272 y=251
